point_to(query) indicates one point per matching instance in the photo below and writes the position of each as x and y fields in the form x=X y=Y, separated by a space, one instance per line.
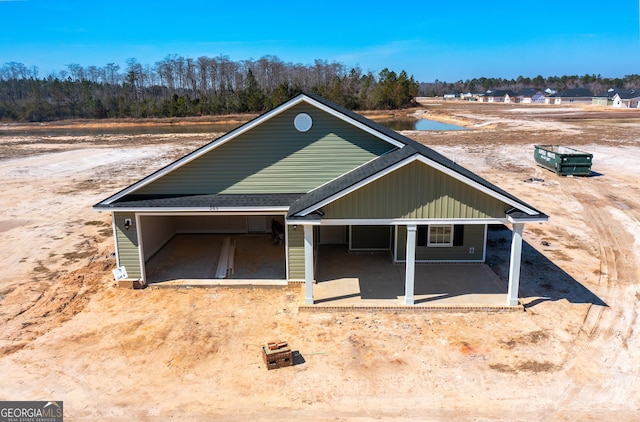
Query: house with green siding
x=328 y=175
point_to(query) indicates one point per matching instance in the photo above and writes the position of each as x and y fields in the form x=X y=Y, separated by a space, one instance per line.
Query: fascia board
x=302 y=222
x=544 y=219
x=207 y=210
x=404 y=222
x=203 y=213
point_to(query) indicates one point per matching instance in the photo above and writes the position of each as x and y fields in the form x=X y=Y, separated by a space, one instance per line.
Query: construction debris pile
x=277 y=354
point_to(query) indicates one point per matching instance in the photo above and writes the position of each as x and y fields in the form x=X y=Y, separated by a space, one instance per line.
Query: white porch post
x=308 y=265
x=410 y=265
x=514 y=264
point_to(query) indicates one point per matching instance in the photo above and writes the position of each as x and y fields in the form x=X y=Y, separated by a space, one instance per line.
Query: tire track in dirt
x=60 y=297
x=600 y=350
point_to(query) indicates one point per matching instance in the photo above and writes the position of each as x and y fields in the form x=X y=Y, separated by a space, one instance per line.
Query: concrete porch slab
x=371 y=280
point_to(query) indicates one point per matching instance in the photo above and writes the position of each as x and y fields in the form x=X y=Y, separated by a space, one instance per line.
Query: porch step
x=411 y=308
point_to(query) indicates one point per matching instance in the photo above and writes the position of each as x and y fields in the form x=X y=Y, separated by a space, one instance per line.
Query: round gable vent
x=302 y=122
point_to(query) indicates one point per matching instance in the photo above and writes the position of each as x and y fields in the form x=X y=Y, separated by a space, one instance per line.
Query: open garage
x=187 y=248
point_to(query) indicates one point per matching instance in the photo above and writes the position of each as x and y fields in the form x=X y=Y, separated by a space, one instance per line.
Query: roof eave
x=519 y=216
x=211 y=210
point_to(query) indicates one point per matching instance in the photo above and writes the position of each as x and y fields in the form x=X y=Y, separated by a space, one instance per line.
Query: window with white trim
x=435 y=236
x=440 y=235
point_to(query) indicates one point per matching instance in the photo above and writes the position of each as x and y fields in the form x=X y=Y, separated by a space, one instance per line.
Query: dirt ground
x=67 y=333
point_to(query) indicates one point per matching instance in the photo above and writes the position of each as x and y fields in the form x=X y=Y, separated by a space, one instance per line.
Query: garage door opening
x=182 y=249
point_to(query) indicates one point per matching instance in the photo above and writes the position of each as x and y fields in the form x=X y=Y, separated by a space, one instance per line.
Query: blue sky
x=445 y=40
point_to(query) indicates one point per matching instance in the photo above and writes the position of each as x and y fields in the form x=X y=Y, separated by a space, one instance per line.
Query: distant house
x=499 y=96
x=572 y=96
x=471 y=96
x=451 y=96
x=618 y=98
x=322 y=176
x=604 y=98
x=530 y=96
x=627 y=99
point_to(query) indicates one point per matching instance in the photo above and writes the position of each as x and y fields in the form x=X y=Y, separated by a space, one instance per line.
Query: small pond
x=395 y=124
x=159 y=129
x=420 y=124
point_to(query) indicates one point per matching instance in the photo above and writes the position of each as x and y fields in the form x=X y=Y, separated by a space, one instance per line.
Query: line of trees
x=595 y=83
x=178 y=87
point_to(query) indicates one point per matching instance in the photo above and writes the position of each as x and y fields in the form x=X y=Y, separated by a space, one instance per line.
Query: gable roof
x=574 y=93
x=625 y=94
x=310 y=203
x=355 y=119
x=500 y=93
x=302 y=205
x=528 y=92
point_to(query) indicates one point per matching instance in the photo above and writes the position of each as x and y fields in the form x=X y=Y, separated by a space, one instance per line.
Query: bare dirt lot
x=67 y=333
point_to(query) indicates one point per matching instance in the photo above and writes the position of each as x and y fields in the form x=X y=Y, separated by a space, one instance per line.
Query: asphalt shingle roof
x=625 y=94
x=574 y=93
x=500 y=93
x=204 y=201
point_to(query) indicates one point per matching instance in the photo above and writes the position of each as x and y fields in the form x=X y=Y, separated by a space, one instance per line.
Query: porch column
x=410 y=265
x=514 y=264
x=308 y=264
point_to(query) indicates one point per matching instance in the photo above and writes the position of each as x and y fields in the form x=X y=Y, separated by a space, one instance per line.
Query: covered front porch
x=365 y=280
x=417 y=280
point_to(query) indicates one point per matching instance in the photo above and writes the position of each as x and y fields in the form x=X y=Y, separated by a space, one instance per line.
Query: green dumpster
x=563 y=160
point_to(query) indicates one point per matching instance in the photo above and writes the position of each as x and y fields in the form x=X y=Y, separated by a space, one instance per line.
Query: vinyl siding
x=473 y=238
x=296 y=252
x=416 y=191
x=127 y=241
x=275 y=158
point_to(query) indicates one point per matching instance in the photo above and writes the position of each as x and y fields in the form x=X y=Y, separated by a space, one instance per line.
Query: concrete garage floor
x=372 y=280
x=192 y=260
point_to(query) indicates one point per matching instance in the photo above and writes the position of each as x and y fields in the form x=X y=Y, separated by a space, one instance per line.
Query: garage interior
x=188 y=248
